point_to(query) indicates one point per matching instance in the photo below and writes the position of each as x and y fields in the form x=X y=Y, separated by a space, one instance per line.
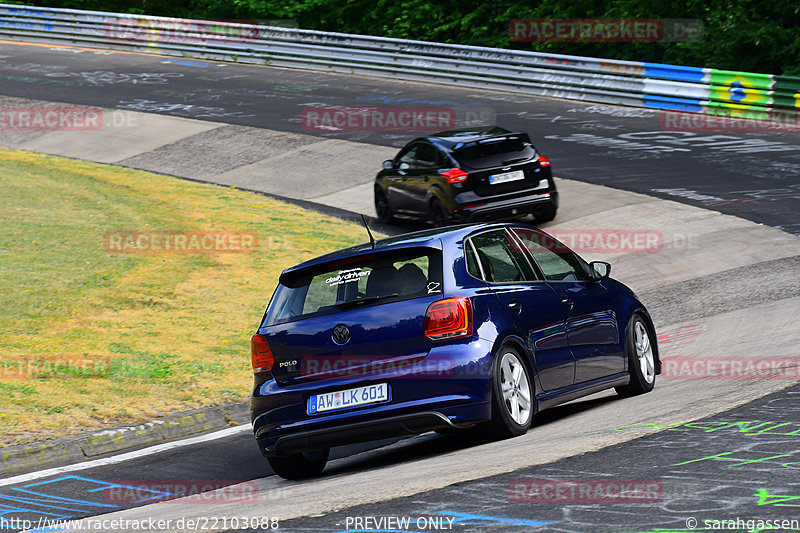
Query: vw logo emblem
x=341 y=334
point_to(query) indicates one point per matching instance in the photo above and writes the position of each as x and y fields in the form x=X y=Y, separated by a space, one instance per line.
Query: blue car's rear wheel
x=513 y=396
x=641 y=359
x=303 y=465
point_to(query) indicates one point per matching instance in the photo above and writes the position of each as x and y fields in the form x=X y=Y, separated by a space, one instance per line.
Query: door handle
x=515 y=306
x=569 y=303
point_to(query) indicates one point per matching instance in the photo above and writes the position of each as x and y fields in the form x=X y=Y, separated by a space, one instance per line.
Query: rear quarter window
x=500 y=260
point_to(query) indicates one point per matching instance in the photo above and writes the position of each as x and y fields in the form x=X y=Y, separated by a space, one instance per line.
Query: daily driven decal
x=346 y=276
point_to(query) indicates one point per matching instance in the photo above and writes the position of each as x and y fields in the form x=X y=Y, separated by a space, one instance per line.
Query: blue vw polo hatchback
x=440 y=329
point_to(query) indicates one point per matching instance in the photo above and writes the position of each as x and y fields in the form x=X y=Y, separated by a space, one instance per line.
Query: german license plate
x=330 y=401
x=506 y=177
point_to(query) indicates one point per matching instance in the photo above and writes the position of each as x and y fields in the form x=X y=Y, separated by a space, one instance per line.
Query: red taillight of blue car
x=448 y=318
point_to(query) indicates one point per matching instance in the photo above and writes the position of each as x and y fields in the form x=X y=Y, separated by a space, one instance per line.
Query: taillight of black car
x=453 y=175
x=260 y=354
x=448 y=318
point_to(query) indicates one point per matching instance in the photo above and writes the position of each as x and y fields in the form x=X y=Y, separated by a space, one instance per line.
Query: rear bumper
x=395 y=426
x=505 y=208
x=450 y=388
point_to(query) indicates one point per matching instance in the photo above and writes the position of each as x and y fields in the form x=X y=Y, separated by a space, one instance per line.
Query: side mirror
x=388 y=165
x=600 y=269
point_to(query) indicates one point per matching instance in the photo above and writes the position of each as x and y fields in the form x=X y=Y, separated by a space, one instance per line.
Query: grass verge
x=90 y=338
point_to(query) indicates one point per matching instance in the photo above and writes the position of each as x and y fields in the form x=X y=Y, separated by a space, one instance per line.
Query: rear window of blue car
x=371 y=279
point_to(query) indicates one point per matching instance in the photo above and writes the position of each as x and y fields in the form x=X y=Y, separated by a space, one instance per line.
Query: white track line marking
x=23 y=478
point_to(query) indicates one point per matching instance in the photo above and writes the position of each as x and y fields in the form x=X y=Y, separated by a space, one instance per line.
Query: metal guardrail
x=651 y=85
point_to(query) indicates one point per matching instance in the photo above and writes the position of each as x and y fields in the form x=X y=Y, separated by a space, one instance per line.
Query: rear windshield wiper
x=363 y=301
x=516 y=160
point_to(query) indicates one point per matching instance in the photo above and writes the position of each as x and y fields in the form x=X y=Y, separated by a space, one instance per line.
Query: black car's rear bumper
x=505 y=208
x=395 y=426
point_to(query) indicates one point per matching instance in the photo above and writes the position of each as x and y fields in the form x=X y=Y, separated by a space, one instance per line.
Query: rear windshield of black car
x=372 y=279
x=495 y=153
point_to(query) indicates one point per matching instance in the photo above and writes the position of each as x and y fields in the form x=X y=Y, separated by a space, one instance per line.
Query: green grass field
x=90 y=338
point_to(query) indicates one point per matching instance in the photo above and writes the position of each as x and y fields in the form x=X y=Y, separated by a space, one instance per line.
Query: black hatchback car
x=467 y=175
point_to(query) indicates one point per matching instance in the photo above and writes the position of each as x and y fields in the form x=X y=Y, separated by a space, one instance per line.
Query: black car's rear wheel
x=439 y=215
x=641 y=359
x=382 y=208
x=544 y=213
x=300 y=466
x=513 y=396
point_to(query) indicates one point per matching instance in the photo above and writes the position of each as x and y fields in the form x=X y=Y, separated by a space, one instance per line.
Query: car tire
x=382 y=207
x=545 y=214
x=513 y=398
x=641 y=358
x=300 y=466
x=439 y=215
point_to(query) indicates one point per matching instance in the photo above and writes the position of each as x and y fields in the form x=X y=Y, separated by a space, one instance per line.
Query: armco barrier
x=653 y=85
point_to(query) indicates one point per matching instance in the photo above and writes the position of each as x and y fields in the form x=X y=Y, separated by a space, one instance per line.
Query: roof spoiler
x=494 y=138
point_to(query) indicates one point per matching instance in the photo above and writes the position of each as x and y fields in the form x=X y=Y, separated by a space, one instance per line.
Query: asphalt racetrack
x=750 y=174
